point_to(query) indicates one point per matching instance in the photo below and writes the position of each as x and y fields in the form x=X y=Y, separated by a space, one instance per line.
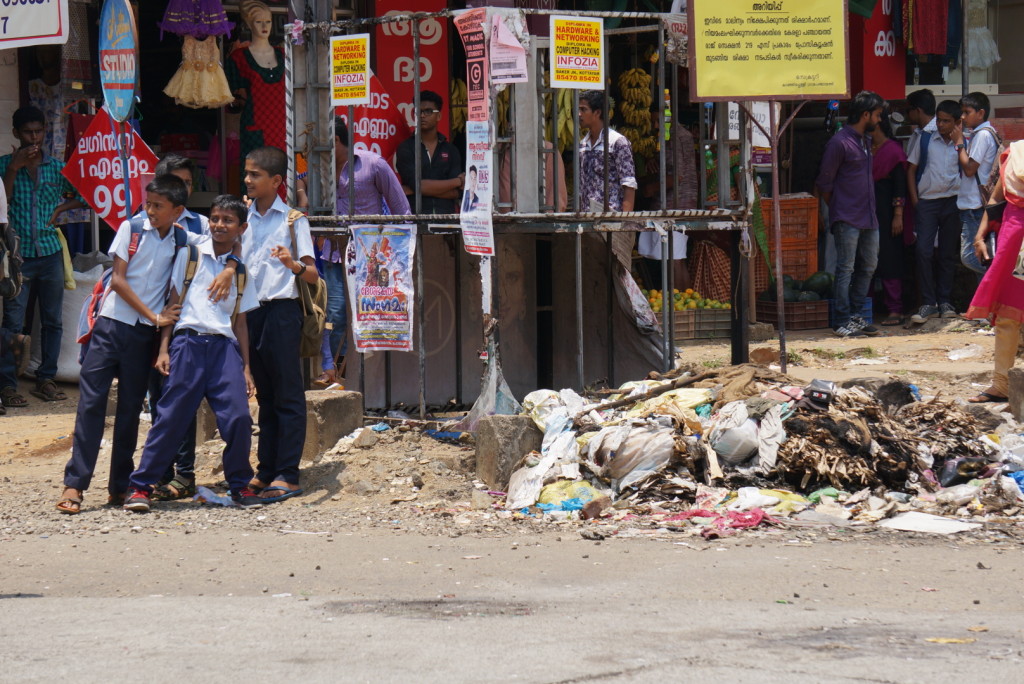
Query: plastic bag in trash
x=751 y=497
x=558 y=492
x=559 y=446
x=733 y=434
x=642 y=452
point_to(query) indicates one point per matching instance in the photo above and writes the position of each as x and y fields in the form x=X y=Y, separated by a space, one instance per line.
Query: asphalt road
x=376 y=606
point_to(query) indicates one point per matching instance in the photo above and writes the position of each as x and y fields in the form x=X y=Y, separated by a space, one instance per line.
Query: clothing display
x=263 y=116
x=930 y=24
x=196 y=18
x=982 y=50
x=200 y=80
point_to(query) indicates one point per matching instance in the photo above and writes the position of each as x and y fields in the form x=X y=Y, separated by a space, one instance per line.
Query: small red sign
x=380 y=127
x=96 y=171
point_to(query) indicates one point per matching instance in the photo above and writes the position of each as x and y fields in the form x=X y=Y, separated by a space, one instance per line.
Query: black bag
x=10 y=262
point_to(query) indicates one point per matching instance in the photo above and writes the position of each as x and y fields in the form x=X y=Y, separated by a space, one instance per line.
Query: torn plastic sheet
x=495 y=396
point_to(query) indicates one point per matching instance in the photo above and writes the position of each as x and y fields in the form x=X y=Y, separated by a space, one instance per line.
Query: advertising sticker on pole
x=475 y=216
x=508 y=56
x=119 y=58
x=576 y=59
x=96 y=169
x=379 y=263
x=471 y=29
x=23 y=24
x=379 y=126
x=350 y=70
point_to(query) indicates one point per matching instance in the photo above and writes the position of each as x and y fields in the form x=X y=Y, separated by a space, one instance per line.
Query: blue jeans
x=334 y=276
x=856 y=259
x=970 y=220
x=44 y=275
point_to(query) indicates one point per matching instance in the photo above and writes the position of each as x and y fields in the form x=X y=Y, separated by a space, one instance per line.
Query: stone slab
x=500 y=442
x=1016 y=392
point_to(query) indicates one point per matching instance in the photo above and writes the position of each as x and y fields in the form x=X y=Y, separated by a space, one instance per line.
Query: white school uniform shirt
x=982 y=148
x=204 y=222
x=148 y=273
x=198 y=311
x=266 y=231
x=3 y=204
x=941 y=176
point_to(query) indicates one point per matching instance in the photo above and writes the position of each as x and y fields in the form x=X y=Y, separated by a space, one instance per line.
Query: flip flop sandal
x=48 y=391
x=70 y=505
x=11 y=398
x=174 y=490
x=987 y=398
x=892 y=321
x=285 y=494
x=22 y=353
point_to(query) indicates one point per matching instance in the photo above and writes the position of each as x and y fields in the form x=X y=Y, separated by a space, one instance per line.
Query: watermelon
x=820 y=283
x=790 y=295
x=808 y=296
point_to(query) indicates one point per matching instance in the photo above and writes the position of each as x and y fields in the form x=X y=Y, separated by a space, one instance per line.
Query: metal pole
x=578 y=260
x=418 y=303
x=668 y=314
x=609 y=252
x=289 y=114
x=780 y=303
x=965 y=62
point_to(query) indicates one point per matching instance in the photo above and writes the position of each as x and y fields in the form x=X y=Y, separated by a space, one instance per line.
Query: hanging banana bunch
x=458 y=97
x=566 y=120
x=635 y=87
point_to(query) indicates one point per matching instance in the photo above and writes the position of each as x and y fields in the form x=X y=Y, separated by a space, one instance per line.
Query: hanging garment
x=200 y=80
x=981 y=48
x=196 y=18
x=931 y=23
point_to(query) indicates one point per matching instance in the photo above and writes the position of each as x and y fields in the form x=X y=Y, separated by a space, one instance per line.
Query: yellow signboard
x=768 y=50
x=350 y=69
x=577 y=53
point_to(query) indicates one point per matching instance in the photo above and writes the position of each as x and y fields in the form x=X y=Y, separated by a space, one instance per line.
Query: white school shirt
x=982 y=148
x=148 y=273
x=941 y=176
x=203 y=221
x=269 y=276
x=198 y=311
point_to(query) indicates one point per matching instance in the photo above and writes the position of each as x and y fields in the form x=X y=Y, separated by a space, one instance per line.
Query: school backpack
x=314 y=302
x=190 y=273
x=92 y=305
x=989 y=184
x=922 y=159
x=10 y=262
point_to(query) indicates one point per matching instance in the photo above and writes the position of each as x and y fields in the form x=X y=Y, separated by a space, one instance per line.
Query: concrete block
x=1016 y=392
x=330 y=415
x=500 y=442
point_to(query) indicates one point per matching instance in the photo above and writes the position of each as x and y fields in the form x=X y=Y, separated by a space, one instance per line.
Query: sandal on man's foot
x=47 y=390
x=21 y=350
x=892 y=320
x=326 y=379
x=71 y=505
x=178 y=488
x=11 y=399
x=987 y=398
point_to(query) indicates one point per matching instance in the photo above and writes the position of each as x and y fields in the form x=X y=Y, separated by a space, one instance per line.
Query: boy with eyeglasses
x=441 y=176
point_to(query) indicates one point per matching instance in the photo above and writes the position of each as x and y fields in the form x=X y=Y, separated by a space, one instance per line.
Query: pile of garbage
x=743 y=446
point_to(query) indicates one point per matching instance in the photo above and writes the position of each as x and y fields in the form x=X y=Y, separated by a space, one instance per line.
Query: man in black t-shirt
x=441 y=176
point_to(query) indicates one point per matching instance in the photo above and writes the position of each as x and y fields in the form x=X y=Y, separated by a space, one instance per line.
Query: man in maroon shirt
x=845 y=182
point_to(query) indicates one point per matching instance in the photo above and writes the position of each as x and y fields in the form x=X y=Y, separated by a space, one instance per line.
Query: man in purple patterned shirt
x=377 y=191
x=621 y=172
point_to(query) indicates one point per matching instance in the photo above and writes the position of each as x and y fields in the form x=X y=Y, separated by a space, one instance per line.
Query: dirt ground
x=393 y=567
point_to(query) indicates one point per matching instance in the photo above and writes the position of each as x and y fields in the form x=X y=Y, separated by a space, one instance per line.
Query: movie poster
x=379 y=267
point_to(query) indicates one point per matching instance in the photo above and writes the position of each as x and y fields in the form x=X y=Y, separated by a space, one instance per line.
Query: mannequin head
x=256 y=16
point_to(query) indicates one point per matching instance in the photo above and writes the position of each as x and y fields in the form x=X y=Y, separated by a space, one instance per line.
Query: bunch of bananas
x=566 y=120
x=635 y=86
x=458 y=96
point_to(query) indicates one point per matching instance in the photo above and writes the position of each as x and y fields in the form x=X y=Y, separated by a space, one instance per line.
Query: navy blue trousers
x=116 y=350
x=185 y=458
x=275 y=330
x=207 y=366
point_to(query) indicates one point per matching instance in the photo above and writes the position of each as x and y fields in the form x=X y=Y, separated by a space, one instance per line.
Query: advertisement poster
x=379 y=263
x=119 y=57
x=379 y=127
x=350 y=69
x=576 y=53
x=24 y=24
x=768 y=50
x=475 y=210
x=471 y=29
x=508 y=57
x=393 y=53
x=96 y=172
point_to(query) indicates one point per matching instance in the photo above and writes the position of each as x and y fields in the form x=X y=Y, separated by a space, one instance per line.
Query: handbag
x=995 y=211
x=313 y=297
x=69 y=270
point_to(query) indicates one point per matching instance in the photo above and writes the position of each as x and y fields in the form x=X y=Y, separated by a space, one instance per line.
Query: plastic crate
x=713 y=323
x=799 y=259
x=799 y=315
x=683 y=323
x=798 y=215
x=867 y=314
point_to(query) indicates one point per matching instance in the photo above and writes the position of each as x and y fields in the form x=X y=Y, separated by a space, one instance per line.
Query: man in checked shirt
x=37 y=193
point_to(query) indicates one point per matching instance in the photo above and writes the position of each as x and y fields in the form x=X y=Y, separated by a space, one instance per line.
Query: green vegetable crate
x=713 y=323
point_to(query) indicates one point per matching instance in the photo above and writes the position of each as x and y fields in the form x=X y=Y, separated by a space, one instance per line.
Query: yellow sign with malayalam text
x=768 y=50
x=577 y=53
x=350 y=70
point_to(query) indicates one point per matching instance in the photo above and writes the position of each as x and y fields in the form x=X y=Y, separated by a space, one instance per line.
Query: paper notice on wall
x=475 y=210
x=379 y=264
x=508 y=56
x=471 y=29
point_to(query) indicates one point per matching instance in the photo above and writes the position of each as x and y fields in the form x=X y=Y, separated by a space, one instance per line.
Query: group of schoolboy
x=215 y=302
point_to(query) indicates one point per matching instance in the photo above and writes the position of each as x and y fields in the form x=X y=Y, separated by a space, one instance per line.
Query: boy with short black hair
x=185 y=169
x=275 y=327
x=123 y=338
x=977 y=156
x=205 y=356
